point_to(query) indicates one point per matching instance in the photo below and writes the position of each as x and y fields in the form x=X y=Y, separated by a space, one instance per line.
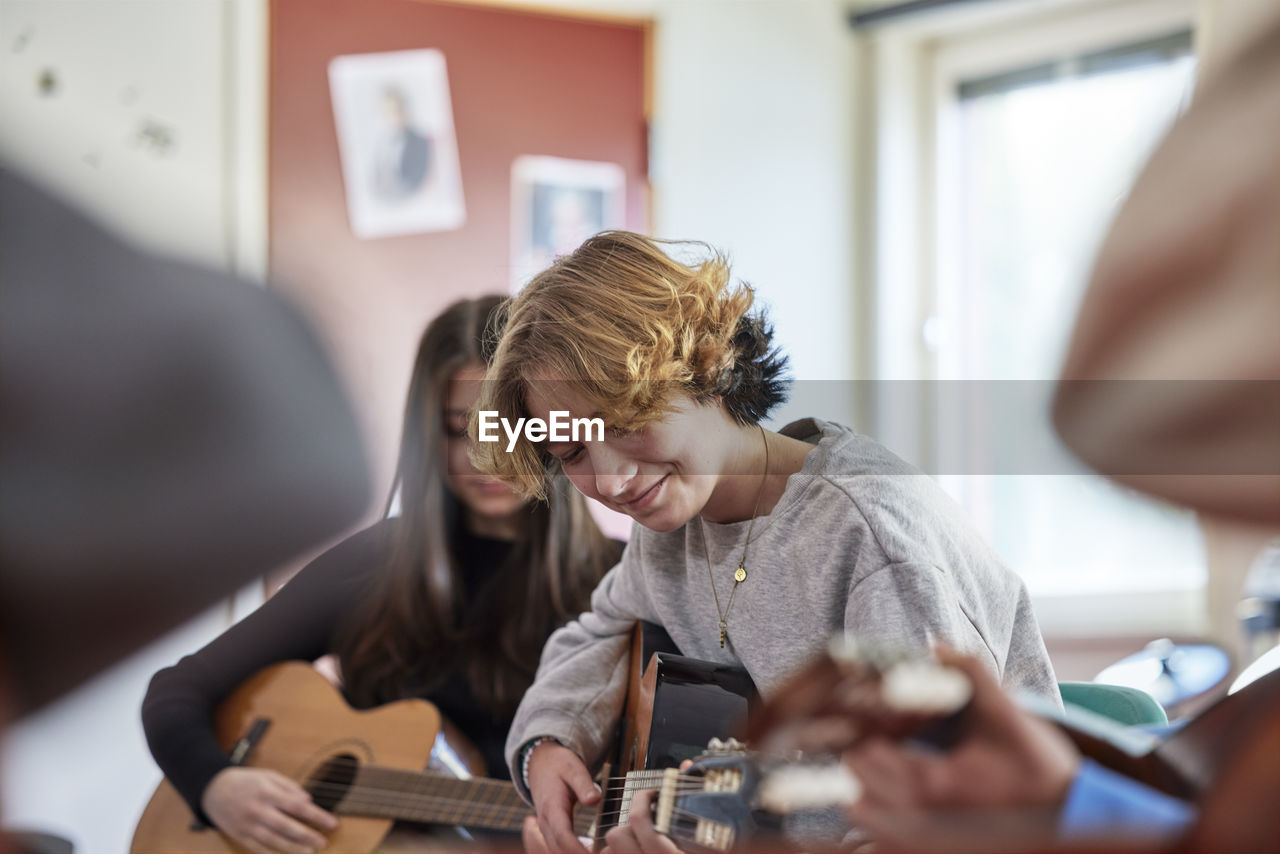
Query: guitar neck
x=433 y=799
x=636 y=781
x=414 y=796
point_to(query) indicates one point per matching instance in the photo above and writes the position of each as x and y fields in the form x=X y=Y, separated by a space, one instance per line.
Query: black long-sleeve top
x=300 y=622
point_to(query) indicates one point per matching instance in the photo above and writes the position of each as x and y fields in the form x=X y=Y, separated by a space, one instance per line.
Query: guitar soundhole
x=331 y=781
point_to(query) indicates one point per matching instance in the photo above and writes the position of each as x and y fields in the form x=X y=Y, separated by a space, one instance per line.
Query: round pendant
x=740 y=574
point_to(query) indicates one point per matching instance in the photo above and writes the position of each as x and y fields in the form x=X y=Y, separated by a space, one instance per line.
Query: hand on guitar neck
x=265 y=811
x=1003 y=758
x=1008 y=760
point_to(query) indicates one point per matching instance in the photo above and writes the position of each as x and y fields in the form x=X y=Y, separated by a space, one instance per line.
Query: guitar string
x=408 y=802
x=507 y=817
x=488 y=805
x=616 y=784
x=477 y=815
x=501 y=815
x=499 y=785
x=349 y=796
x=367 y=791
x=353 y=796
x=365 y=795
x=427 y=776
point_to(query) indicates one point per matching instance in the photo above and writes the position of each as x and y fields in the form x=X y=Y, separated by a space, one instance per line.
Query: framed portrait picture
x=556 y=204
x=396 y=141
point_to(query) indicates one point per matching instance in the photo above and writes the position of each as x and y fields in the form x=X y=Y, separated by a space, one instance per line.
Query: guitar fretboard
x=636 y=781
x=414 y=796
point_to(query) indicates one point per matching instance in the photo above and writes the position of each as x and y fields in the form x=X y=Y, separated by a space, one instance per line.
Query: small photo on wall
x=558 y=203
x=396 y=140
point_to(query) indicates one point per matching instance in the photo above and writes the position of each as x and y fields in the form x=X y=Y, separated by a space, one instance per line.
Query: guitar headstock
x=729 y=794
x=709 y=804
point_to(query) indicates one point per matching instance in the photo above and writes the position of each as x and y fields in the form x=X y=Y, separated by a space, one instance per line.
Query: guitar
x=730 y=795
x=680 y=708
x=1223 y=759
x=364 y=766
x=674 y=706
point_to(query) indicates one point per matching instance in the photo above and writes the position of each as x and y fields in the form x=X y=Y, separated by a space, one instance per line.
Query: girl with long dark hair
x=450 y=600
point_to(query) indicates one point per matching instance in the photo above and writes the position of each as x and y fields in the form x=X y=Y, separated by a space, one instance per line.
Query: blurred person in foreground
x=169 y=434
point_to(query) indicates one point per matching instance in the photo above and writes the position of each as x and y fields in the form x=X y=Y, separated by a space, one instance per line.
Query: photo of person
x=403 y=158
x=396 y=139
x=556 y=204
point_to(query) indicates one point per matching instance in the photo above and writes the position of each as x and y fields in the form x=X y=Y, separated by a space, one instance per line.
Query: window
x=1029 y=138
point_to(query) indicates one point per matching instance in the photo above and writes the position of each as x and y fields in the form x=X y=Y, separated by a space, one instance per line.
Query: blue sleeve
x=1104 y=803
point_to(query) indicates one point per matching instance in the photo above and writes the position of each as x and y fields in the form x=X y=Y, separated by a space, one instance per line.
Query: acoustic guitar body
x=303 y=713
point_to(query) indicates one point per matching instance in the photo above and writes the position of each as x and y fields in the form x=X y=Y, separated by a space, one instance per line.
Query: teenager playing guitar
x=752 y=547
x=451 y=600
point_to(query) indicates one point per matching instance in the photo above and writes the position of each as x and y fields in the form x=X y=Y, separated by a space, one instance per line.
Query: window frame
x=914 y=69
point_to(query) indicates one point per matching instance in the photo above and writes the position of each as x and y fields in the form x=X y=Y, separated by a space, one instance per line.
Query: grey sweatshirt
x=860 y=541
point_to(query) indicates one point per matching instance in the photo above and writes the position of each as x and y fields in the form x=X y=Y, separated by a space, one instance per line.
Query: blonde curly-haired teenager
x=750 y=547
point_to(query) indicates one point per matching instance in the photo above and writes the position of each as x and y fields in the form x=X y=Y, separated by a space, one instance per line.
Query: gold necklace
x=739 y=574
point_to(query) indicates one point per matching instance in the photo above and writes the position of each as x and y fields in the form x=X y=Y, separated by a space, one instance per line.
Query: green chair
x=1124 y=705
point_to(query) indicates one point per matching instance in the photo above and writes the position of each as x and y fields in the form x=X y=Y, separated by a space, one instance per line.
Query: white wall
x=133 y=125
x=80 y=768
x=752 y=151
x=139 y=129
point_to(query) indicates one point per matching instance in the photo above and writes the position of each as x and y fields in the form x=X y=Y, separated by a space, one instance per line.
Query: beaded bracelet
x=527 y=751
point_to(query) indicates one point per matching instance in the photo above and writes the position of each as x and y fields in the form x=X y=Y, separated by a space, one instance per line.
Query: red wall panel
x=521 y=83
